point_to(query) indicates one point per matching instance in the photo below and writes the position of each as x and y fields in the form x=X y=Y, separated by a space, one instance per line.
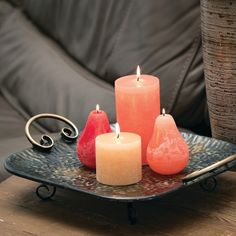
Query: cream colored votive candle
x=118 y=158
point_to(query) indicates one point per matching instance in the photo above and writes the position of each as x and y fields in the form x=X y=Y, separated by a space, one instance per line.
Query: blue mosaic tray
x=61 y=168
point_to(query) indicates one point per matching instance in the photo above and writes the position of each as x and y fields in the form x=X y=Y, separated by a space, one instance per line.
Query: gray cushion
x=12 y=123
x=41 y=77
x=112 y=37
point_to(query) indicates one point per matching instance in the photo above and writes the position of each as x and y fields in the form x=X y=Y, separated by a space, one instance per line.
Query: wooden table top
x=190 y=211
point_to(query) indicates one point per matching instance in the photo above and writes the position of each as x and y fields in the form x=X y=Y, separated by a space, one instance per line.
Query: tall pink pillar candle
x=138 y=105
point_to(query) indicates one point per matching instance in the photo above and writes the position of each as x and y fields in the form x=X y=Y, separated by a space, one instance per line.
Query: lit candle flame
x=97 y=108
x=138 y=73
x=163 y=111
x=117 y=130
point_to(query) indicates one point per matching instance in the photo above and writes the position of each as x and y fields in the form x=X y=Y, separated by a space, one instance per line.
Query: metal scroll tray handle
x=212 y=167
x=46 y=143
x=206 y=176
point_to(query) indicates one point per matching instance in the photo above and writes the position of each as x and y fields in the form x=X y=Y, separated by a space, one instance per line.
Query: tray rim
x=111 y=198
x=179 y=185
x=183 y=184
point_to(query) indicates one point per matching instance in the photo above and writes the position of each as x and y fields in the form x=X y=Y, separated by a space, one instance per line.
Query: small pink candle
x=138 y=105
x=167 y=152
x=96 y=124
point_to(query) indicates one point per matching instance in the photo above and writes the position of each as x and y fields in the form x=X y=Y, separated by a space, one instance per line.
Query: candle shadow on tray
x=175 y=212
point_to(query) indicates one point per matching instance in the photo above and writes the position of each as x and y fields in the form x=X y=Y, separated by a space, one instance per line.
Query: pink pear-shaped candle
x=167 y=151
x=96 y=124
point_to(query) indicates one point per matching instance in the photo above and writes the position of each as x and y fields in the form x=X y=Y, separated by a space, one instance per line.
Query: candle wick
x=138 y=73
x=163 y=112
x=97 y=108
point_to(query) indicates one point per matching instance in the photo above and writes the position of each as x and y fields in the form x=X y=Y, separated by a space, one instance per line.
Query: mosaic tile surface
x=62 y=168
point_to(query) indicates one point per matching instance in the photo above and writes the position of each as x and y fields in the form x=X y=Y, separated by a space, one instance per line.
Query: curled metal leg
x=209 y=184
x=51 y=190
x=132 y=213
